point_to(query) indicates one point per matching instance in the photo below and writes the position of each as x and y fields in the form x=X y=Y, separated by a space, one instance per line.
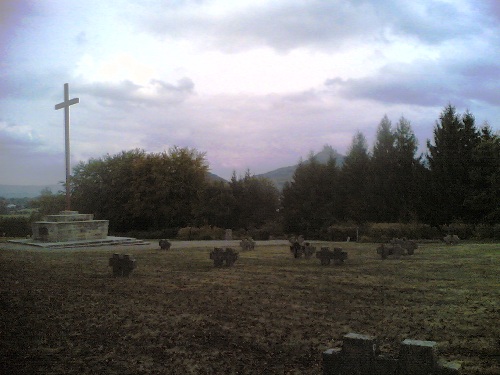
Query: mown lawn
x=62 y=312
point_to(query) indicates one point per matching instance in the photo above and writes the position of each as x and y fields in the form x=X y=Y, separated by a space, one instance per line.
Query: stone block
x=448 y=368
x=164 y=244
x=385 y=365
x=122 y=265
x=221 y=256
x=332 y=361
x=358 y=352
x=69 y=226
x=417 y=357
x=326 y=255
x=359 y=356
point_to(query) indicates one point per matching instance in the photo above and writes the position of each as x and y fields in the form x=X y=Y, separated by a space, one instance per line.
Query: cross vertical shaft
x=65 y=104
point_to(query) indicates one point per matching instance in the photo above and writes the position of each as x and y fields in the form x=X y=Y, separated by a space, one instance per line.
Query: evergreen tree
x=408 y=188
x=383 y=177
x=449 y=160
x=310 y=201
x=484 y=198
x=217 y=206
x=355 y=180
x=256 y=201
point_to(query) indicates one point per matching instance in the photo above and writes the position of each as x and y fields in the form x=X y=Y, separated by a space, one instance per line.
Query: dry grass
x=62 y=312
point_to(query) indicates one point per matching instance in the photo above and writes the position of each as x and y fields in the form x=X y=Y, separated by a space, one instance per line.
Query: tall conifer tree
x=355 y=179
x=449 y=160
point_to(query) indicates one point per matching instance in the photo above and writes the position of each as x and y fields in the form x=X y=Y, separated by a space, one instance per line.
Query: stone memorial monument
x=70 y=228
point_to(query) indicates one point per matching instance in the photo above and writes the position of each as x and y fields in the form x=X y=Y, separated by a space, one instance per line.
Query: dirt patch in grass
x=62 y=312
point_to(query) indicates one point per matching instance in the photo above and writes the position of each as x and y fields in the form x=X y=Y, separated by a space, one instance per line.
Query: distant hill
x=214 y=177
x=281 y=175
x=26 y=191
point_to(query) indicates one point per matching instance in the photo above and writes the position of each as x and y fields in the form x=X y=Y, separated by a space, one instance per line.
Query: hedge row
x=373 y=232
x=19 y=226
x=15 y=226
x=382 y=232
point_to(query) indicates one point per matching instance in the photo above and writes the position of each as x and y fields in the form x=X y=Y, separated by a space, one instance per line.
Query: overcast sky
x=255 y=84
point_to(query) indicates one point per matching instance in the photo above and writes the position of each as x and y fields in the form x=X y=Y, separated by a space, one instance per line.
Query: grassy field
x=62 y=312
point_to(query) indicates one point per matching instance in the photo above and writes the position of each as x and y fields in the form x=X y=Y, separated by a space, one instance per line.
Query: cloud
x=285 y=25
x=35 y=84
x=255 y=83
x=23 y=155
x=425 y=83
x=156 y=92
x=12 y=13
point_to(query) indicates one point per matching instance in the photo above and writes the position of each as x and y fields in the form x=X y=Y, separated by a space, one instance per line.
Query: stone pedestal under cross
x=65 y=104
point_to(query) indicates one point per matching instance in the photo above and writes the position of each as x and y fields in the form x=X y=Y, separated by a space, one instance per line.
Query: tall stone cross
x=65 y=104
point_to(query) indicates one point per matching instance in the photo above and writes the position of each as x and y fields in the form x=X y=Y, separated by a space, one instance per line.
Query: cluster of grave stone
x=299 y=247
x=304 y=249
x=247 y=244
x=360 y=355
x=325 y=255
x=122 y=264
x=396 y=248
x=221 y=256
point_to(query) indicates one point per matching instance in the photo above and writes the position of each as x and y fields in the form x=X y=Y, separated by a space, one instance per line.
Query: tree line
x=457 y=180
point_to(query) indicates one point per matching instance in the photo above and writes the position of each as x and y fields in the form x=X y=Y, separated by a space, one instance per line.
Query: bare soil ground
x=62 y=312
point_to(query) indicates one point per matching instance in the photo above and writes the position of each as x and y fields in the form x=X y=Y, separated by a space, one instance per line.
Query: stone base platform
x=108 y=241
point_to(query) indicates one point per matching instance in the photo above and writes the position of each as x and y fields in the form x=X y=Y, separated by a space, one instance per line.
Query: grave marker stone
x=164 y=244
x=325 y=255
x=360 y=355
x=247 y=244
x=122 y=265
x=221 y=256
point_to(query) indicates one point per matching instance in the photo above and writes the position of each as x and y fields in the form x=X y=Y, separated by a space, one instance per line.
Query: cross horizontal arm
x=67 y=103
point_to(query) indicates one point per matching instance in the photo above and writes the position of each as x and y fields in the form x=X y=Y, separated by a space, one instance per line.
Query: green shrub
x=261 y=234
x=496 y=232
x=15 y=226
x=462 y=230
x=483 y=232
x=270 y=229
x=153 y=234
x=342 y=232
x=206 y=232
x=383 y=232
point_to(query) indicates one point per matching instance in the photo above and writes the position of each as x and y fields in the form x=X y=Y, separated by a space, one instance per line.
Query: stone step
x=109 y=241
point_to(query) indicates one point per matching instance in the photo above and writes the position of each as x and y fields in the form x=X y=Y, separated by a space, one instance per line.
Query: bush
x=487 y=232
x=16 y=226
x=271 y=229
x=153 y=234
x=260 y=234
x=204 y=233
x=462 y=230
x=342 y=232
x=483 y=232
x=383 y=232
x=496 y=232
